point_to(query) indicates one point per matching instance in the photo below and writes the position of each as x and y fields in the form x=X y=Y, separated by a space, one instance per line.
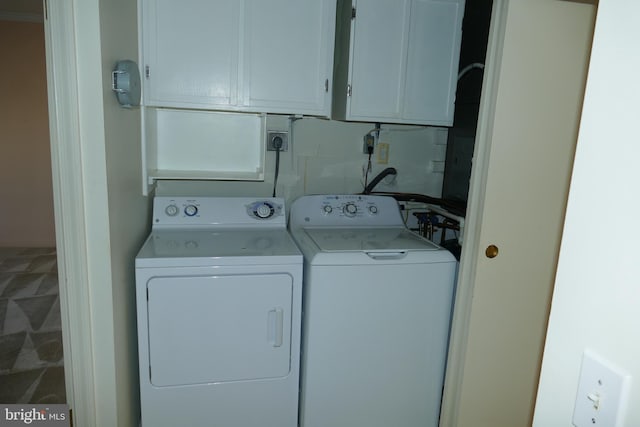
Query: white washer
x=376 y=313
x=218 y=286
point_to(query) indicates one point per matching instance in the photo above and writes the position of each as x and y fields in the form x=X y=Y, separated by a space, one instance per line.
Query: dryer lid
x=168 y=248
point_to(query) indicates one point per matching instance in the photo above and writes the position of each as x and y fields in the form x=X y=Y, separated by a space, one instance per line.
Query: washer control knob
x=171 y=210
x=264 y=211
x=350 y=209
x=190 y=210
x=327 y=209
x=373 y=209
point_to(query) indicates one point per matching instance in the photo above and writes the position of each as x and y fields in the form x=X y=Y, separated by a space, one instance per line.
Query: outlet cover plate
x=271 y=135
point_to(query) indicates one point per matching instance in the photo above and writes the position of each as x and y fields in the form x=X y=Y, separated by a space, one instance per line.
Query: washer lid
x=368 y=239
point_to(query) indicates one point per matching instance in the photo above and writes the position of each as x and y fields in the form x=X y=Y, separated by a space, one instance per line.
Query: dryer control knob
x=327 y=209
x=350 y=209
x=171 y=210
x=373 y=209
x=190 y=210
x=264 y=211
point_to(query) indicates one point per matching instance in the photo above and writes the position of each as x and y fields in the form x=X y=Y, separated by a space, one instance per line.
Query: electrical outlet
x=369 y=143
x=602 y=394
x=272 y=135
x=383 y=153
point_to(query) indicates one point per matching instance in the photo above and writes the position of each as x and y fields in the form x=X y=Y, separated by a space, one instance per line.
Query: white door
x=205 y=329
x=527 y=133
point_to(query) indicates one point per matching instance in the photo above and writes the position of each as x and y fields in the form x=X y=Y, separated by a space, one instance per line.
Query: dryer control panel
x=345 y=210
x=227 y=212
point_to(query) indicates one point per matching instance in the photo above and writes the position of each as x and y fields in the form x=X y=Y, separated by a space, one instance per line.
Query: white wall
x=326 y=156
x=129 y=219
x=596 y=298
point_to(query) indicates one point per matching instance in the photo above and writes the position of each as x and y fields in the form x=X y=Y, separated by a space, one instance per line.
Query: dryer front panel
x=212 y=329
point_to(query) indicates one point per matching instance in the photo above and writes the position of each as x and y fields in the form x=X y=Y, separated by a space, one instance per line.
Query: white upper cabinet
x=288 y=56
x=262 y=56
x=190 y=52
x=397 y=60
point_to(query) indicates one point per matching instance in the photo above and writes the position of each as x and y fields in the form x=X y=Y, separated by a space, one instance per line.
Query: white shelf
x=160 y=174
x=208 y=145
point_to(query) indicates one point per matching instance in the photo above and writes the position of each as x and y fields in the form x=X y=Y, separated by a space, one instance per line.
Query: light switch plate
x=602 y=393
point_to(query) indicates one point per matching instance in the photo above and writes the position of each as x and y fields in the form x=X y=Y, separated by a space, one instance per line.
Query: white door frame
x=473 y=221
x=68 y=194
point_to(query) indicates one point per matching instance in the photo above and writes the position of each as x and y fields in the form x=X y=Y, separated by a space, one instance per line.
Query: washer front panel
x=375 y=344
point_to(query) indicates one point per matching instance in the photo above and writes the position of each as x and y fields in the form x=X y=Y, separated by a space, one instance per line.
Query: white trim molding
x=71 y=233
x=464 y=294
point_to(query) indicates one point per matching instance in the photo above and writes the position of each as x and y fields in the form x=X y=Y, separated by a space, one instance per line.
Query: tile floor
x=31 y=363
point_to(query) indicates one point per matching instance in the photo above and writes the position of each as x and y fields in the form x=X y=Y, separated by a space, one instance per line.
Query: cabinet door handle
x=326 y=85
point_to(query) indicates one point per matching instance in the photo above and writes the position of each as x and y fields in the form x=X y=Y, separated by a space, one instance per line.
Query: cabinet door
x=378 y=60
x=190 y=50
x=432 y=60
x=288 y=55
x=404 y=61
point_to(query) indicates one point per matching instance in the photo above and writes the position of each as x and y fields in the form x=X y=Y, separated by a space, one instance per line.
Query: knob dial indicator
x=190 y=210
x=264 y=211
x=350 y=209
x=171 y=210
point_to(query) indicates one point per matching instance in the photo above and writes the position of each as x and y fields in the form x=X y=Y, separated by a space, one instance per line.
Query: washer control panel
x=218 y=211
x=349 y=206
x=346 y=210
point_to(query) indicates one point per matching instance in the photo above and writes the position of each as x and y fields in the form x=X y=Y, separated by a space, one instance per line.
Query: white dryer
x=376 y=313
x=218 y=286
